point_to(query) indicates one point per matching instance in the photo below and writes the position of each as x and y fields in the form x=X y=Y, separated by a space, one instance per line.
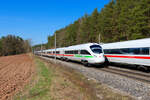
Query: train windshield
x=96 y=49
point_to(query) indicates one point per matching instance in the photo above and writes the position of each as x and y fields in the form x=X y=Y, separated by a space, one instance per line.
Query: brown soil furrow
x=4 y=64
x=15 y=62
x=11 y=70
x=15 y=75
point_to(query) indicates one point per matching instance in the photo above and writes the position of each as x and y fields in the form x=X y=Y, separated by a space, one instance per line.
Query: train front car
x=96 y=52
x=89 y=53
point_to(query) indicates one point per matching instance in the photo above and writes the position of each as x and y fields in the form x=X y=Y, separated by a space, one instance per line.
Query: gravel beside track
x=137 y=89
x=139 y=77
x=15 y=72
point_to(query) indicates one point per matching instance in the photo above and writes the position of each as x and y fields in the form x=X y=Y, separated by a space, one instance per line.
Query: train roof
x=81 y=46
x=56 y=49
x=128 y=44
x=74 y=47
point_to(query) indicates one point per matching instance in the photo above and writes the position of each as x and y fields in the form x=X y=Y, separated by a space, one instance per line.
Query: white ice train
x=89 y=53
x=136 y=52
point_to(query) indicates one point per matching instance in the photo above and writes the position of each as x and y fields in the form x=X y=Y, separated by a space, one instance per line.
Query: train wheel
x=66 y=59
x=62 y=58
x=144 y=68
x=85 y=63
x=148 y=69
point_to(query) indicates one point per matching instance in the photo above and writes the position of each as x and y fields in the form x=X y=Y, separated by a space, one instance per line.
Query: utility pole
x=55 y=47
x=99 y=38
x=41 y=50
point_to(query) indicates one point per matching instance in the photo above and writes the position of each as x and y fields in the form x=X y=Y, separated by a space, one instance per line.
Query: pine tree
x=85 y=29
x=94 y=26
x=105 y=22
x=139 y=20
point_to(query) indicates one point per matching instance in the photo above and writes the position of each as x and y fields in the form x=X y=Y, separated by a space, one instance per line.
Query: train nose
x=99 y=58
x=102 y=56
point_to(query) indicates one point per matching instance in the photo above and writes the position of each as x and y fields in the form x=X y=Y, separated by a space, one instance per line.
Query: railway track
x=136 y=75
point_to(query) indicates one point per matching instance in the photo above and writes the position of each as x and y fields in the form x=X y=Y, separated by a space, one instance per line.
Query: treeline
x=12 y=45
x=39 y=47
x=119 y=20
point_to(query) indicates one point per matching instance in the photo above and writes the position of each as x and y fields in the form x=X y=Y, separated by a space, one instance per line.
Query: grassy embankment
x=53 y=82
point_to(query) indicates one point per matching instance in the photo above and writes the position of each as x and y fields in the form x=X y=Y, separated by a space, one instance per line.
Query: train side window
x=66 y=52
x=124 y=51
x=134 y=51
x=57 y=52
x=109 y=51
x=85 y=52
x=106 y=51
x=71 y=52
x=115 y=51
x=145 y=51
x=75 y=52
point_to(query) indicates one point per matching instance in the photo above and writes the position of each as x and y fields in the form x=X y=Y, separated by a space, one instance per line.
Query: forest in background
x=120 y=20
x=12 y=45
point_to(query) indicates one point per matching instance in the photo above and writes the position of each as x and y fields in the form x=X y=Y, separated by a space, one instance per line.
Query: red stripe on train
x=136 y=57
x=69 y=55
x=61 y=55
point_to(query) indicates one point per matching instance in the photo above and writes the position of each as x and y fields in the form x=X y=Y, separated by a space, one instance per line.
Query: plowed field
x=15 y=72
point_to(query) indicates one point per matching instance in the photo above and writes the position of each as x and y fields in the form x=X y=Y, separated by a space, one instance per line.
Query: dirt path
x=15 y=72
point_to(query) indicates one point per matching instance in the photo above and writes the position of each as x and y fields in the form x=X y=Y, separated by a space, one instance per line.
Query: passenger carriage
x=135 y=52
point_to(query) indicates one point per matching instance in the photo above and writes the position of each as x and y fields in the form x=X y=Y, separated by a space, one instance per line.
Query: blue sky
x=36 y=19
